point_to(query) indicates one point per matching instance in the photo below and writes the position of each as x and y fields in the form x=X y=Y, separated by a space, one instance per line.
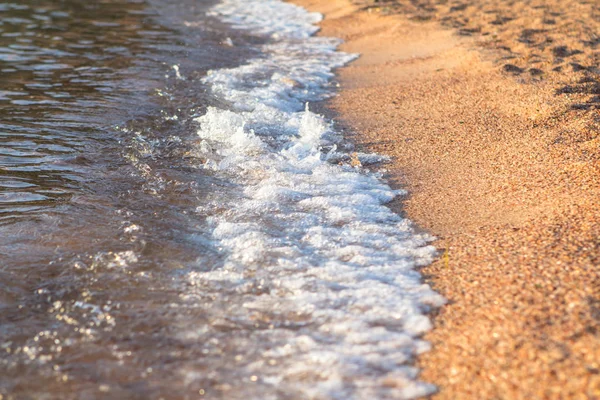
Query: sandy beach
x=490 y=113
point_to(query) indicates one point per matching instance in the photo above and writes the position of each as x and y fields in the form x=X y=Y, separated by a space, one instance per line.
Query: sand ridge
x=505 y=171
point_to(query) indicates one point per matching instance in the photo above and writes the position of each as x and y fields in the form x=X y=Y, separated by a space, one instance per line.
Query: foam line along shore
x=310 y=237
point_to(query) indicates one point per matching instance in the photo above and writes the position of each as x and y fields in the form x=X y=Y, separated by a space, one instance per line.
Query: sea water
x=177 y=223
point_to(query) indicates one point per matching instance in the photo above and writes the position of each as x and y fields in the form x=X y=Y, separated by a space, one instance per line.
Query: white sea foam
x=268 y=17
x=309 y=245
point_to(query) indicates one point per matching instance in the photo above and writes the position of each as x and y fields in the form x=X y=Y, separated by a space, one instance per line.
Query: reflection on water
x=65 y=68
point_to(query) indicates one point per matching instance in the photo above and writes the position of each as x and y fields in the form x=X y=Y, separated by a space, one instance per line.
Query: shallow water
x=95 y=126
x=175 y=225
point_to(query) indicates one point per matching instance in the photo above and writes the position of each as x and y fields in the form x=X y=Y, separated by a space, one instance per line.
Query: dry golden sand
x=505 y=171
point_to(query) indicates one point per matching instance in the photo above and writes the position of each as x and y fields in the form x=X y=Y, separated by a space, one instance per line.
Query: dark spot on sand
x=593 y=43
x=582 y=106
x=593 y=88
x=460 y=7
x=501 y=20
x=528 y=35
x=567 y=89
x=587 y=79
x=594 y=304
x=512 y=69
x=421 y=17
x=563 y=51
x=468 y=31
x=593 y=370
x=578 y=67
x=536 y=71
x=595 y=99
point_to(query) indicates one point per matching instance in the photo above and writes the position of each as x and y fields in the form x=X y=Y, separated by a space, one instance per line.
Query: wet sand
x=503 y=165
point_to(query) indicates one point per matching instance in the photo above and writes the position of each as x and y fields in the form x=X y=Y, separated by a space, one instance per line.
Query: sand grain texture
x=504 y=169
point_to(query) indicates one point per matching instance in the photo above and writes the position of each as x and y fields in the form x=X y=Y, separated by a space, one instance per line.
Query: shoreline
x=505 y=173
